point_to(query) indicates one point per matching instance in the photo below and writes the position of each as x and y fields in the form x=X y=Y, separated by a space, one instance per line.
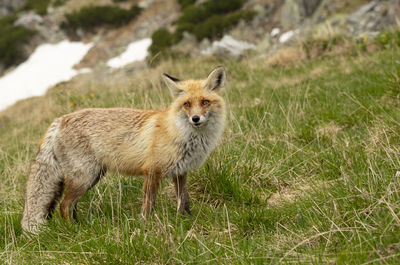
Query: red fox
x=80 y=147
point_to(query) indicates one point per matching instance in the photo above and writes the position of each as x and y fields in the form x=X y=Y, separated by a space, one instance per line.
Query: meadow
x=307 y=171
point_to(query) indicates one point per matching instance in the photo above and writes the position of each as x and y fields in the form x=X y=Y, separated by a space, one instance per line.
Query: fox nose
x=195 y=118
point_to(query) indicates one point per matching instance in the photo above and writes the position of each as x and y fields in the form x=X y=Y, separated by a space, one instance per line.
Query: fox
x=80 y=147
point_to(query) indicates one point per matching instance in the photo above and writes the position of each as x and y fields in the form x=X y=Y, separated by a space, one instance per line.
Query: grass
x=307 y=170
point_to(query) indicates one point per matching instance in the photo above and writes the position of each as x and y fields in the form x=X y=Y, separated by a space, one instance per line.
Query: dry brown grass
x=329 y=130
x=377 y=133
x=294 y=191
x=286 y=57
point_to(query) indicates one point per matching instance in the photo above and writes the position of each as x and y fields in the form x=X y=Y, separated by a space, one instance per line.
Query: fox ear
x=216 y=79
x=172 y=84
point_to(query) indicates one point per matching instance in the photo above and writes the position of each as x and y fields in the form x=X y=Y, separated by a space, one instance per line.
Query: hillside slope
x=307 y=170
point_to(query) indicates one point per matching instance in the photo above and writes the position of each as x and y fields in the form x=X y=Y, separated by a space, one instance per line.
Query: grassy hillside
x=308 y=170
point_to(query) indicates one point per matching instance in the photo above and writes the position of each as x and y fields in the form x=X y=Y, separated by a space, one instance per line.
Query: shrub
x=59 y=2
x=212 y=18
x=222 y=6
x=161 y=40
x=90 y=17
x=186 y=3
x=12 y=38
x=39 y=6
x=192 y=15
x=212 y=27
x=208 y=20
x=233 y=18
x=216 y=25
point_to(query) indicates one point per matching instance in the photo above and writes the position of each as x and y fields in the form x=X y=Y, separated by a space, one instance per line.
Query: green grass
x=307 y=171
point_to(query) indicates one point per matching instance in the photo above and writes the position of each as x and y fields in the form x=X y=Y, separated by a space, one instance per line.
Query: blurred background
x=45 y=42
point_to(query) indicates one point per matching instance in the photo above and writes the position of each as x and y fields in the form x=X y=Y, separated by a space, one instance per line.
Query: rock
x=4 y=11
x=252 y=32
x=10 y=6
x=295 y=12
x=46 y=26
x=205 y=44
x=145 y=3
x=264 y=45
x=188 y=44
x=374 y=17
x=228 y=45
x=310 y=6
x=80 y=33
x=356 y=16
x=291 y=14
x=199 y=2
x=260 y=10
x=29 y=20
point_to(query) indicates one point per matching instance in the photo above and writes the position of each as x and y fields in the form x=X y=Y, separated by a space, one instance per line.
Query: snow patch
x=136 y=51
x=275 y=32
x=48 y=65
x=287 y=35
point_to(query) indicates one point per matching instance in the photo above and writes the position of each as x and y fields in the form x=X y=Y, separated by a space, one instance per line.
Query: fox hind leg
x=75 y=188
x=72 y=194
x=43 y=189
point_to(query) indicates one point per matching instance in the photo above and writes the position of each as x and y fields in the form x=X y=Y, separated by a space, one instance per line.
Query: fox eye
x=186 y=104
x=205 y=102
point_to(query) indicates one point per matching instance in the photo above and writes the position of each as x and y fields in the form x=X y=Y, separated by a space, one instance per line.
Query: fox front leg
x=182 y=194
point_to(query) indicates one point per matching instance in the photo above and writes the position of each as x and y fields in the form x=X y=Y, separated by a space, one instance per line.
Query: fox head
x=198 y=103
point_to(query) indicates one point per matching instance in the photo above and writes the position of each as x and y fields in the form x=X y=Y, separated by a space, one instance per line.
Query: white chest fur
x=196 y=144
